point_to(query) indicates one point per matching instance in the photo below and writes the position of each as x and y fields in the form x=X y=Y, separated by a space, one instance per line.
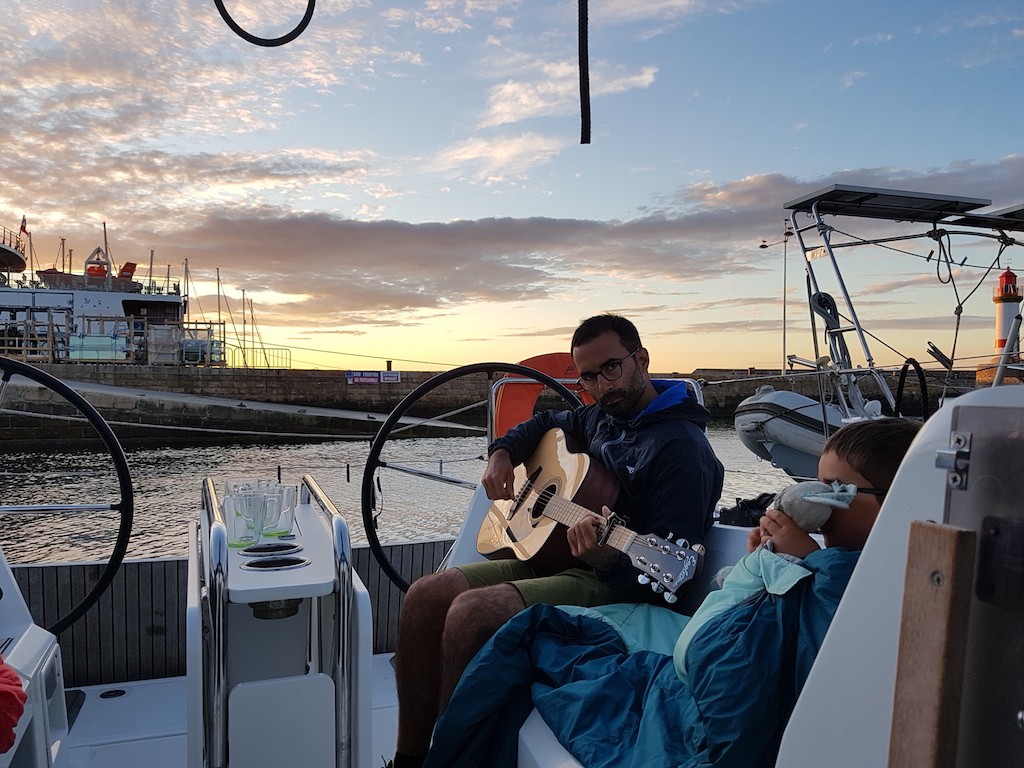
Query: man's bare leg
x=473 y=617
x=418 y=656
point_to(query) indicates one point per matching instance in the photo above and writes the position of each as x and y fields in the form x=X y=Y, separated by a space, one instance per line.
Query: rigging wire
x=944 y=273
x=1004 y=241
x=259 y=334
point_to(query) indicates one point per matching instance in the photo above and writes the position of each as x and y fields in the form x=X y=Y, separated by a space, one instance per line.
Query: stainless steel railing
x=213 y=565
x=343 y=635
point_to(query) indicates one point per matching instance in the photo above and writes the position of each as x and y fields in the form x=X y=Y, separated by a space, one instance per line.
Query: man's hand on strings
x=583 y=541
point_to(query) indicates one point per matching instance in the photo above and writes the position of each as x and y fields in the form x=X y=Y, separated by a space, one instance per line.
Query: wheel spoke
x=17 y=509
x=388 y=430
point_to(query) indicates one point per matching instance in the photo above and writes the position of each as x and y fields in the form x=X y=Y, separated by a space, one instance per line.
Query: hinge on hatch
x=955 y=460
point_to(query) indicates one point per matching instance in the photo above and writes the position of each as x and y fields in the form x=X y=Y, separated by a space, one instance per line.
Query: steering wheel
x=373 y=462
x=125 y=503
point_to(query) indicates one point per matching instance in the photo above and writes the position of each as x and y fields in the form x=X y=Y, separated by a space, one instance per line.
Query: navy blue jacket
x=669 y=476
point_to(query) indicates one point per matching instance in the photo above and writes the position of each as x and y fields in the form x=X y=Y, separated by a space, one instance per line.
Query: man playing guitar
x=651 y=439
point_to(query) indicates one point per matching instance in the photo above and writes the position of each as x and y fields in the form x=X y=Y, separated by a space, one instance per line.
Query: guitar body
x=556 y=479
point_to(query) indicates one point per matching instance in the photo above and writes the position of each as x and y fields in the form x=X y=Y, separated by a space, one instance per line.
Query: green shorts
x=576 y=586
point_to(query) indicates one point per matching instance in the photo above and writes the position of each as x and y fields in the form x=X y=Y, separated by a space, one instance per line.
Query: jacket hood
x=674 y=401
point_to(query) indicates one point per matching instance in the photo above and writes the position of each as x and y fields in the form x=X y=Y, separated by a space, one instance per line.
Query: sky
x=405 y=181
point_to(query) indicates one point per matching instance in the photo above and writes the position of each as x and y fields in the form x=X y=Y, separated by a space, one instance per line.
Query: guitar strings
x=547 y=497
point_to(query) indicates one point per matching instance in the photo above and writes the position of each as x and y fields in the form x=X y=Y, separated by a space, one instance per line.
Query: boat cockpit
x=919 y=661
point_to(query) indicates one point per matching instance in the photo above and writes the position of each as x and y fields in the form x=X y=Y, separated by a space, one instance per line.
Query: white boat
x=789 y=428
x=103 y=314
x=283 y=661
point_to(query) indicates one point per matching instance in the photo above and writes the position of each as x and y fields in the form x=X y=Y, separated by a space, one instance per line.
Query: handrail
x=492 y=397
x=215 y=570
x=343 y=636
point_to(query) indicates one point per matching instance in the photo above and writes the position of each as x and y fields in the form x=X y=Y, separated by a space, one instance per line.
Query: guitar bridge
x=520 y=497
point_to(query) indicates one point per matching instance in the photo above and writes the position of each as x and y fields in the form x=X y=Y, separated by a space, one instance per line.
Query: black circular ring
x=266 y=42
x=372 y=460
x=126 y=504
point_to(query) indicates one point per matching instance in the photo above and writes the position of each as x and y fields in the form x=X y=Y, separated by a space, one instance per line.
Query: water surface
x=167 y=484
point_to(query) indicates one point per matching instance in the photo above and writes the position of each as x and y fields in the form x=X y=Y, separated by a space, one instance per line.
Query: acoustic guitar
x=558 y=485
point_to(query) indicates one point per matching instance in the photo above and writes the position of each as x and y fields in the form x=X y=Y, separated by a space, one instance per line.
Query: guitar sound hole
x=537 y=512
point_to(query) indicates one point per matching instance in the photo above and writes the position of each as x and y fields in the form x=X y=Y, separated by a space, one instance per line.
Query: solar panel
x=1007 y=219
x=890 y=204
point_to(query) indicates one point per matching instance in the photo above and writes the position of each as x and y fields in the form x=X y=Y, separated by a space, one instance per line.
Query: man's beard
x=623 y=402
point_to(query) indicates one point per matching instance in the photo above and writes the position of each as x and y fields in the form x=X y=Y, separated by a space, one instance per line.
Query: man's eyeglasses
x=610 y=371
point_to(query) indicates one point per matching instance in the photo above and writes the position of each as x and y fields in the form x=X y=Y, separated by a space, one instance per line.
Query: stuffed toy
x=811 y=503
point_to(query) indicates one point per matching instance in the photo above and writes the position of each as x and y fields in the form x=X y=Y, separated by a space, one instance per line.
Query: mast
x=245 y=359
x=106 y=250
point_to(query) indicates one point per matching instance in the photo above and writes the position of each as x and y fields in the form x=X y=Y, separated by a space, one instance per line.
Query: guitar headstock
x=664 y=565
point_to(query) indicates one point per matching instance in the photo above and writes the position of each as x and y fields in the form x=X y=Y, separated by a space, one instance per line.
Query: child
x=613 y=704
x=808 y=505
x=851 y=502
x=865 y=454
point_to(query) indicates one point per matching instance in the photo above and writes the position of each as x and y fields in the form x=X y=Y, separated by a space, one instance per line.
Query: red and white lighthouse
x=1006 y=296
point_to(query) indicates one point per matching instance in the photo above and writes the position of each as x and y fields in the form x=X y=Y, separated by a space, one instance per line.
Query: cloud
x=850 y=78
x=621 y=11
x=552 y=88
x=875 y=39
x=342 y=272
x=489 y=161
x=285 y=168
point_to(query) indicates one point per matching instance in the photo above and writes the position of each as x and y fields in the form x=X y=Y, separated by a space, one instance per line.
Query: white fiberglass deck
x=146 y=724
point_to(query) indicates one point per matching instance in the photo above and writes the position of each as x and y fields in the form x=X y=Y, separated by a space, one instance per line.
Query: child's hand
x=786 y=536
x=756 y=538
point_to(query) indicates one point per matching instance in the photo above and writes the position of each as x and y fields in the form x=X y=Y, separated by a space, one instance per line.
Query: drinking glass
x=286 y=496
x=238 y=520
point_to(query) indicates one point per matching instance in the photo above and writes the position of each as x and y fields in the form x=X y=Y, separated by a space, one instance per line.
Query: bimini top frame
x=945 y=214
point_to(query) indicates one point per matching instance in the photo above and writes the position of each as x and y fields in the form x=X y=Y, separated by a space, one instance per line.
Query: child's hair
x=874 y=447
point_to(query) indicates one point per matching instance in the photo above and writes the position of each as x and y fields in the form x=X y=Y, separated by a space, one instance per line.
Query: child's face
x=847 y=528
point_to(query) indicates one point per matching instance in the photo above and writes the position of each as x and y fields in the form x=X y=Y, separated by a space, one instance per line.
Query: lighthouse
x=1007 y=297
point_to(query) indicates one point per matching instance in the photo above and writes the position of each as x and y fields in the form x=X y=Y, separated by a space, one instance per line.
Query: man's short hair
x=594 y=326
x=874 y=447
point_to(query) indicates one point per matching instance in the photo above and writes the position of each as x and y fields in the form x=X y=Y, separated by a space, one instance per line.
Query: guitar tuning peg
x=670 y=598
x=643 y=578
x=682 y=543
x=658 y=589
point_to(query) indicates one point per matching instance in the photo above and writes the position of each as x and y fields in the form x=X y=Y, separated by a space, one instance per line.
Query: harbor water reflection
x=167 y=490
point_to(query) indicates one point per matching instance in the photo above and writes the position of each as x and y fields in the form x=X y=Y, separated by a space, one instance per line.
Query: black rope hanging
x=584 y=76
x=584 y=56
x=266 y=42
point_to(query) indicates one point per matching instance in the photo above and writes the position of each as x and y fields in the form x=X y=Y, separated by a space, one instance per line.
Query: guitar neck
x=569 y=513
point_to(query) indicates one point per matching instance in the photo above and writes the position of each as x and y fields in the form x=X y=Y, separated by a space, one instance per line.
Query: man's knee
x=484 y=609
x=433 y=594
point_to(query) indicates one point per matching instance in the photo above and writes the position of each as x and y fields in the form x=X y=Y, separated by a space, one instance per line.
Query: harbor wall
x=723 y=390
x=138 y=400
